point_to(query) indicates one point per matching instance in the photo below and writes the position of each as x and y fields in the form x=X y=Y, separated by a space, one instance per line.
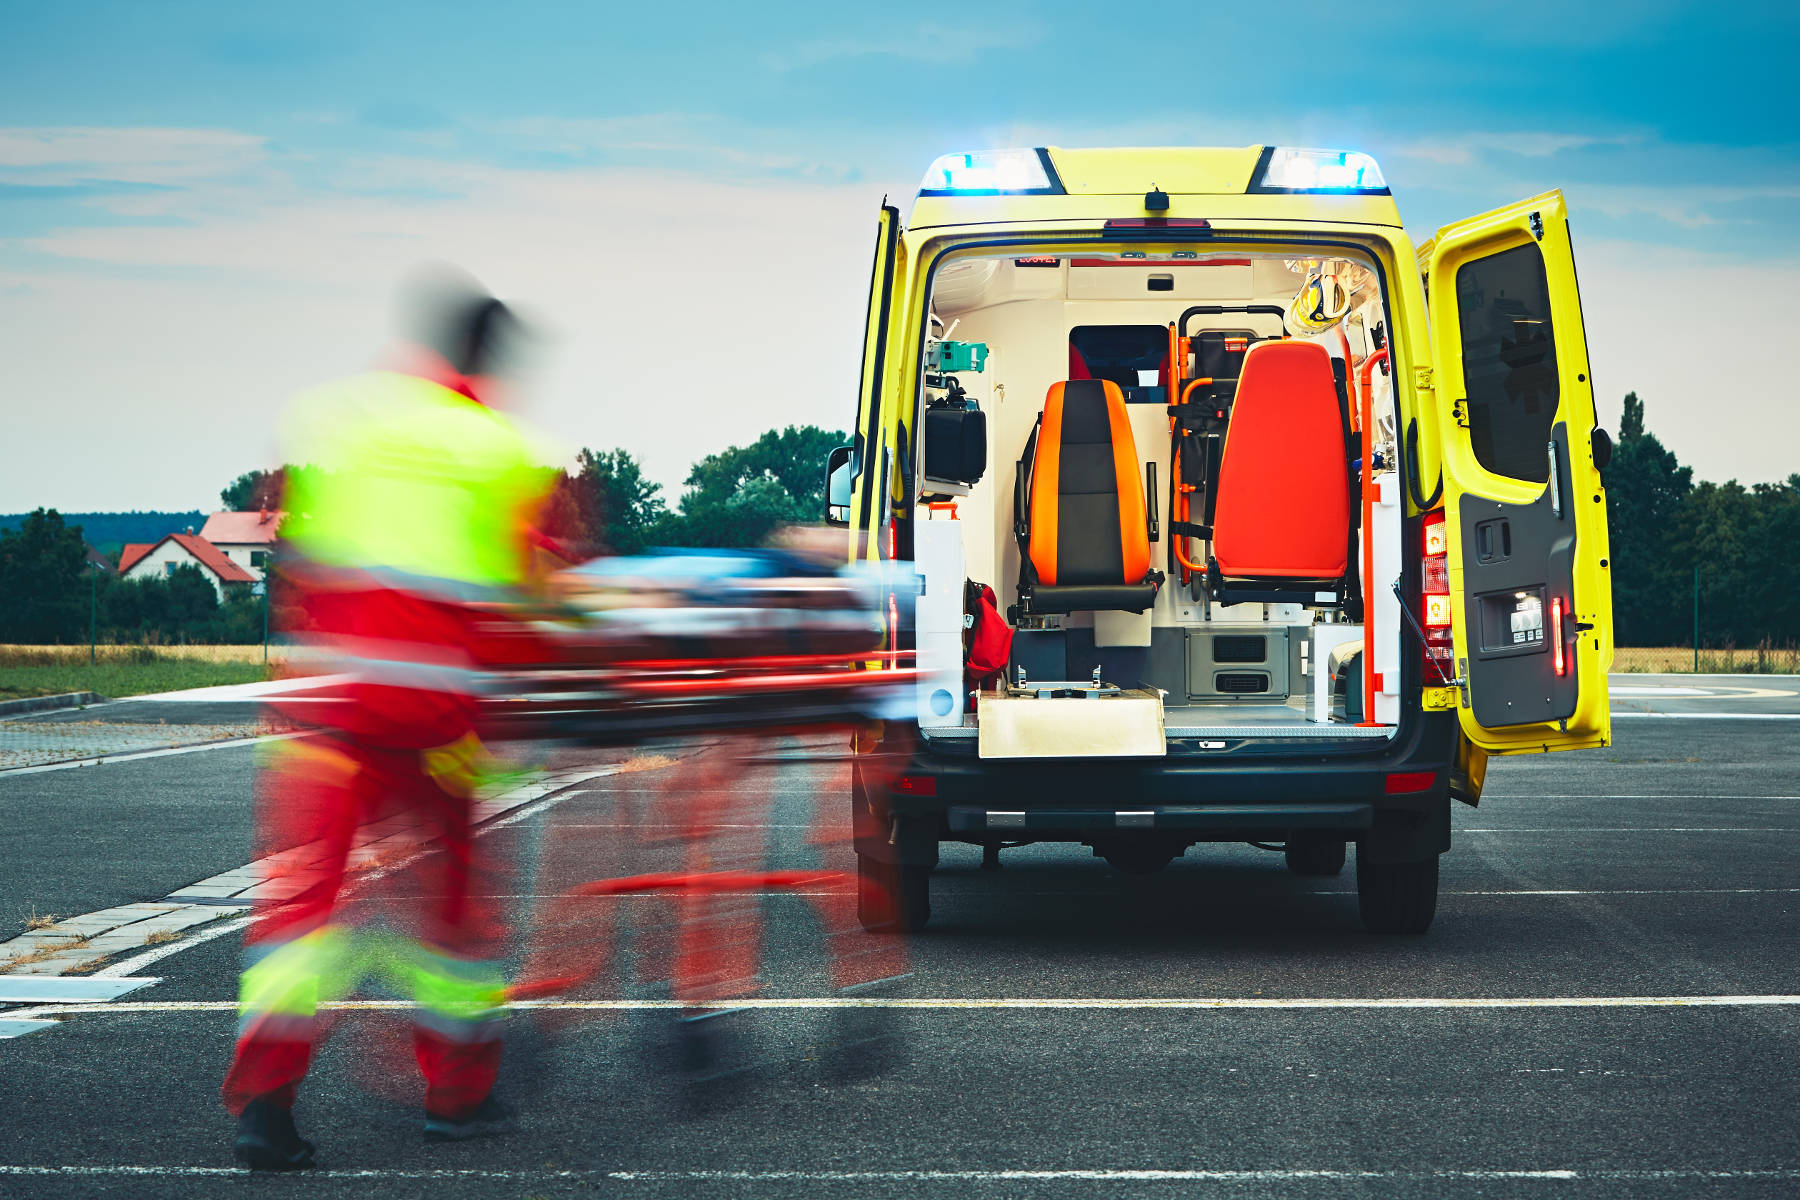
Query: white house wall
x=155 y=565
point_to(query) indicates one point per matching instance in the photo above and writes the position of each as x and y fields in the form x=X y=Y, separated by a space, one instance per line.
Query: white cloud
x=1468 y=148
x=685 y=315
x=65 y=155
x=698 y=142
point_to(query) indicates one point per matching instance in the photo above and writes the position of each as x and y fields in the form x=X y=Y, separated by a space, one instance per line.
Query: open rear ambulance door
x=1524 y=508
x=872 y=457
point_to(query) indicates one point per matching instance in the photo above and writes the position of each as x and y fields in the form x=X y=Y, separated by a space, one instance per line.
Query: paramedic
x=406 y=551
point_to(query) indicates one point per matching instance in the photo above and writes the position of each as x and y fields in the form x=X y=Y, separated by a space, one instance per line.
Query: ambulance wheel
x=1315 y=856
x=1397 y=897
x=891 y=898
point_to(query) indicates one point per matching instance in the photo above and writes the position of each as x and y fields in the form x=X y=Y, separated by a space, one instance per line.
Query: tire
x=1315 y=856
x=1139 y=858
x=891 y=898
x=1397 y=897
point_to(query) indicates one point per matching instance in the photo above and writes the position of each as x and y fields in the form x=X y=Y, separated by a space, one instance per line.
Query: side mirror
x=1603 y=448
x=840 y=472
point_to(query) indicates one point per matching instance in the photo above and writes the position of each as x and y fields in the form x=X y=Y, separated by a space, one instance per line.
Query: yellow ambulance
x=1289 y=524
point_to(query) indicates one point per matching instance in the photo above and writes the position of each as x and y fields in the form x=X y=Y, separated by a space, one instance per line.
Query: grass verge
x=124 y=670
x=1681 y=660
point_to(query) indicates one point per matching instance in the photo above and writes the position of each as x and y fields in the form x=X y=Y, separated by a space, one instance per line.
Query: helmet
x=450 y=312
x=1322 y=300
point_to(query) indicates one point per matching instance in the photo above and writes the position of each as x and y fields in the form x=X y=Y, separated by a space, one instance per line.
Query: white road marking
x=554 y=790
x=1617 y=892
x=1709 y=692
x=158 y=953
x=1711 y=716
x=1709 y=796
x=58 y=989
x=11 y=1027
x=262 y=690
x=975 y=1003
x=1635 y=829
x=970 y=1175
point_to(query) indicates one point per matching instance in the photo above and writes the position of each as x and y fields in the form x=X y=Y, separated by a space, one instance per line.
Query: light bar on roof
x=1293 y=169
x=990 y=173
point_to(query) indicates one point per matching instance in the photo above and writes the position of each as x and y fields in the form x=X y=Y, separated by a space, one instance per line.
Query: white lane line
x=1520 y=797
x=135 y=755
x=554 y=789
x=207 y=933
x=59 y=989
x=971 y=1175
x=1786 y=891
x=232 y=692
x=11 y=1027
x=974 y=1003
x=1710 y=716
x=1632 y=829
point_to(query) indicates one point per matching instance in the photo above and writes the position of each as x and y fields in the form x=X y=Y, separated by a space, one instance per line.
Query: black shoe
x=267 y=1140
x=489 y=1119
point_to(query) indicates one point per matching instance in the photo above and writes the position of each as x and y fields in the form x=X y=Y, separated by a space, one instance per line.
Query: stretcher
x=684 y=642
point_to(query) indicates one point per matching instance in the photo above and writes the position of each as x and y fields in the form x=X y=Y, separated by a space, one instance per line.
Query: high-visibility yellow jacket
x=408 y=504
x=407 y=478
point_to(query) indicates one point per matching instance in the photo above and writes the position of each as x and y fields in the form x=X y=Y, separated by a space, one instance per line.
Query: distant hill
x=107 y=531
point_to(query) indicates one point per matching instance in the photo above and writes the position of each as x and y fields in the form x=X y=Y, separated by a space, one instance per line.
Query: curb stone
x=31 y=704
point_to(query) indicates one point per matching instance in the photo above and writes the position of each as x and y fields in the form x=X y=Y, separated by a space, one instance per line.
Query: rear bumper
x=1253 y=790
x=1213 y=821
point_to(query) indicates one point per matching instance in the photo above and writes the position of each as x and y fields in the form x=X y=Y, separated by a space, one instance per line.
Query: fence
x=1728 y=660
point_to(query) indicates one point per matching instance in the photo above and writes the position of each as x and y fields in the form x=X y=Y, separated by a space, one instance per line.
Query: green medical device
x=956 y=356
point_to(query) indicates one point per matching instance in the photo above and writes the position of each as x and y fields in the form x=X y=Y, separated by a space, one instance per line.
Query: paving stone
x=41 y=743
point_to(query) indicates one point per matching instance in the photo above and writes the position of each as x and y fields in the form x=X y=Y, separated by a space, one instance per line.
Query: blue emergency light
x=1295 y=169
x=992 y=173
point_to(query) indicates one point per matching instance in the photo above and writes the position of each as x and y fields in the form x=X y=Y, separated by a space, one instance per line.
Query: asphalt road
x=1664 y=866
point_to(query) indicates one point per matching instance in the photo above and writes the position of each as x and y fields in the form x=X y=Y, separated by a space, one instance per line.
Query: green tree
x=178 y=607
x=1713 y=532
x=738 y=496
x=568 y=517
x=43 y=580
x=1772 y=565
x=254 y=490
x=618 y=505
x=1646 y=492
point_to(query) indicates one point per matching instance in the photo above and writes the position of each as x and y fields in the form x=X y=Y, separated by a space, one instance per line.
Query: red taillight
x=1403 y=782
x=1556 y=632
x=1434 y=588
x=916 y=785
x=1437 y=538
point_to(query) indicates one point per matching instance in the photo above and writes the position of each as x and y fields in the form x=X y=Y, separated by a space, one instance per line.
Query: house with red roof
x=146 y=560
x=246 y=538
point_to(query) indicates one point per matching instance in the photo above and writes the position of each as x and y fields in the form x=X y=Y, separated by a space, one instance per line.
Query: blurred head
x=449 y=313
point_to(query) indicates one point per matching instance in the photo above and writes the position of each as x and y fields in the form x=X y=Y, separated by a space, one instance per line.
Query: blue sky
x=202 y=206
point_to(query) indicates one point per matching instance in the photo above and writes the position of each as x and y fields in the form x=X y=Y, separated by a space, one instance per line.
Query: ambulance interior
x=1176 y=494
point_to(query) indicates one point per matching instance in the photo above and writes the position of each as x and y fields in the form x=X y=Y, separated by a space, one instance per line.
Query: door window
x=1509 y=361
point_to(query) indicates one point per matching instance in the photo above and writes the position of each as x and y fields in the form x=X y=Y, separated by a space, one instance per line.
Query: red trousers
x=324 y=799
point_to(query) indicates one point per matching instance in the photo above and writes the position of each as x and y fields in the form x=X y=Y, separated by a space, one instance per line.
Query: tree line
x=603 y=505
x=1666 y=528
x=1668 y=533
x=50 y=592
